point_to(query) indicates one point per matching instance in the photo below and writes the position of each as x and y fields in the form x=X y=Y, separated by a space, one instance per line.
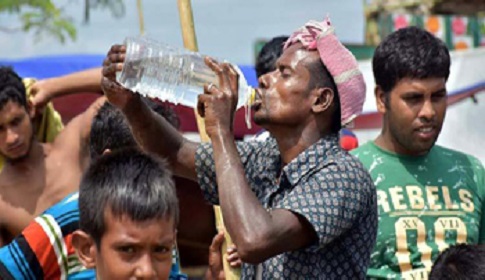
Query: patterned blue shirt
x=325 y=185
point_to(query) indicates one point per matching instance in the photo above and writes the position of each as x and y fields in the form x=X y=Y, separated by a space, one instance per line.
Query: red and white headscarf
x=339 y=61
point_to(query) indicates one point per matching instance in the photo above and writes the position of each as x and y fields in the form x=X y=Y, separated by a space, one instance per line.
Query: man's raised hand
x=116 y=94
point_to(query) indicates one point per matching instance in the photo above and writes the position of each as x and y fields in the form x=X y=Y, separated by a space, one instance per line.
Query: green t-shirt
x=425 y=204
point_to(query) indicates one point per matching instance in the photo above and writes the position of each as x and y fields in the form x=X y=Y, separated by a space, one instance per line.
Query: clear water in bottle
x=170 y=74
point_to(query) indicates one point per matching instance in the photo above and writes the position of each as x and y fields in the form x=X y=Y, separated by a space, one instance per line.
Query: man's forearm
x=246 y=219
x=78 y=82
x=257 y=233
x=158 y=136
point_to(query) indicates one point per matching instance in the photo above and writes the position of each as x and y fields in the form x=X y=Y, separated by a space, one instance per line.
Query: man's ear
x=85 y=248
x=322 y=99
x=30 y=109
x=380 y=99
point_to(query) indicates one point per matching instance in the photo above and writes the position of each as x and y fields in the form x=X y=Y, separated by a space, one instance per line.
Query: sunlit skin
x=286 y=106
x=413 y=117
x=15 y=131
x=37 y=175
x=284 y=92
x=135 y=250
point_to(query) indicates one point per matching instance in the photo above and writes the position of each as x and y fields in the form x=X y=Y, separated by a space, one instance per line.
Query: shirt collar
x=314 y=156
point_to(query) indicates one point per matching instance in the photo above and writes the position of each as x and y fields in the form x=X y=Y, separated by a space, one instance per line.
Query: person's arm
x=73 y=141
x=257 y=233
x=152 y=132
x=37 y=252
x=87 y=81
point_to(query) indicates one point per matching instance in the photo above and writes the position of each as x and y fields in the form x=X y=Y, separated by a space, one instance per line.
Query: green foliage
x=116 y=7
x=43 y=17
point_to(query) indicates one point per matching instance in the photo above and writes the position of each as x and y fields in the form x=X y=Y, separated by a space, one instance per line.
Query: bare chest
x=25 y=195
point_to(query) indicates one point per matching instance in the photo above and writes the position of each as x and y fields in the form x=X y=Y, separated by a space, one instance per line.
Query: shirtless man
x=35 y=175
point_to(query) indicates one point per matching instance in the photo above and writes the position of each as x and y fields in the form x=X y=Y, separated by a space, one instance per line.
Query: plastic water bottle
x=157 y=70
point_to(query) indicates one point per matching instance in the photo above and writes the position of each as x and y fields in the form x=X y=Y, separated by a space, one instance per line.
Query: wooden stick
x=190 y=42
x=141 y=21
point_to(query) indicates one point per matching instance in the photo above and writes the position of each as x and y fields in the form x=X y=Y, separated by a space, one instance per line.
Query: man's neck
x=293 y=143
x=32 y=159
x=386 y=142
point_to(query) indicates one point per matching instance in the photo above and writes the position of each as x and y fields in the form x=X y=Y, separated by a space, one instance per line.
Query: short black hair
x=165 y=110
x=462 y=262
x=128 y=183
x=11 y=88
x=320 y=77
x=110 y=129
x=269 y=54
x=409 y=52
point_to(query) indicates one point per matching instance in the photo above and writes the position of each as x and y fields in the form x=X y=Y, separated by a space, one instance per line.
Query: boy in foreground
x=128 y=217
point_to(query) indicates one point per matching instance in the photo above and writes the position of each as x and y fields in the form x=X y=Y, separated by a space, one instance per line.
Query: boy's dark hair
x=321 y=78
x=130 y=184
x=110 y=129
x=460 y=262
x=11 y=88
x=165 y=110
x=269 y=54
x=409 y=53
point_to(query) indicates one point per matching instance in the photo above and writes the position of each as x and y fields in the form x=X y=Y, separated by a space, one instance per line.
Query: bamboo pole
x=141 y=21
x=190 y=42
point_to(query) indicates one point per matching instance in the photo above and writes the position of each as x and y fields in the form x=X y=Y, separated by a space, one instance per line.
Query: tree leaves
x=117 y=7
x=44 y=18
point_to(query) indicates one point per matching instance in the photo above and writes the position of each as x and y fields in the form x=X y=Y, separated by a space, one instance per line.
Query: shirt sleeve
x=332 y=200
x=40 y=251
x=205 y=165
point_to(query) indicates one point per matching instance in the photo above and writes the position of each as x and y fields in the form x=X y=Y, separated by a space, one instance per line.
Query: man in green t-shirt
x=429 y=197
